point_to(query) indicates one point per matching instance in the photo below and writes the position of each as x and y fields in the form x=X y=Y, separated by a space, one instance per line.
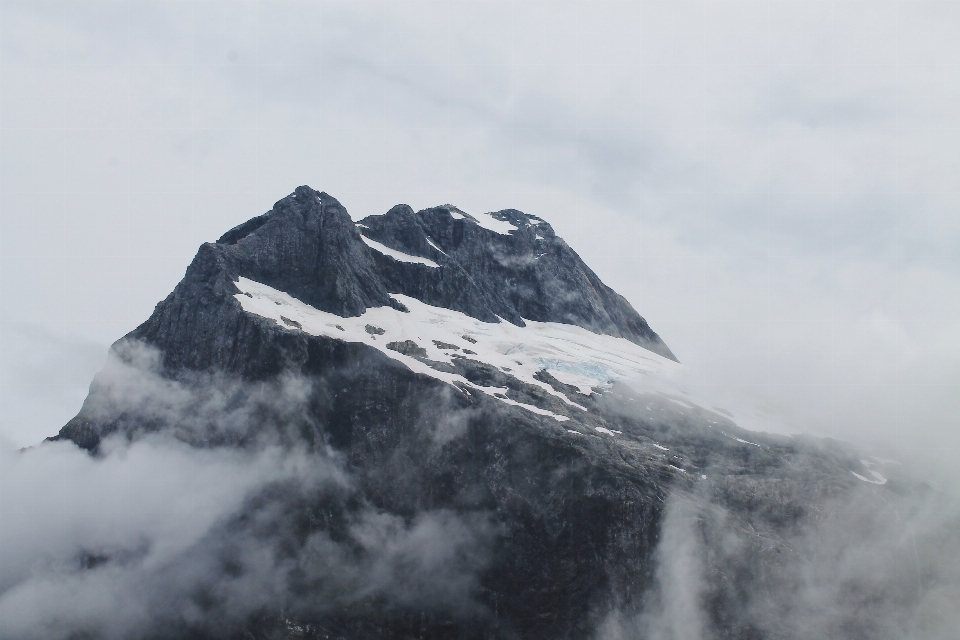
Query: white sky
x=775 y=186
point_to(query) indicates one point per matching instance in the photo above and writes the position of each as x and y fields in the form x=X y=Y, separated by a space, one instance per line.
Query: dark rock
x=529 y=272
x=408 y=348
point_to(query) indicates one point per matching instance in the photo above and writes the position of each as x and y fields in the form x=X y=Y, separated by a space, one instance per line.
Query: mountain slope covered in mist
x=436 y=425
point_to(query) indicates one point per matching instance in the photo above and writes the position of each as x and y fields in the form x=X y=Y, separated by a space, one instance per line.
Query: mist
x=872 y=563
x=162 y=528
x=162 y=531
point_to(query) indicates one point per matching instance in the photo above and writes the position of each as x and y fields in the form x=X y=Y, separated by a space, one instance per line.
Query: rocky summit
x=503 y=453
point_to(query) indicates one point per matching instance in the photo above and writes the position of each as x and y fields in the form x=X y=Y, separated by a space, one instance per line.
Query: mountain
x=512 y=459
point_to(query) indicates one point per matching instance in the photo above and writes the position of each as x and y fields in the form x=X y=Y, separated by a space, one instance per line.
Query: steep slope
x=308 y=247
x=509 y=265
x=473 y=368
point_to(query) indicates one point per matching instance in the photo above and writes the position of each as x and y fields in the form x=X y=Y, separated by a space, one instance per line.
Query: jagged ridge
x=309 y=247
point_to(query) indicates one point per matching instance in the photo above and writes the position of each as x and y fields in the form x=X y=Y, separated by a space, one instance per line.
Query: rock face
x=561 y=479
x=309 y=247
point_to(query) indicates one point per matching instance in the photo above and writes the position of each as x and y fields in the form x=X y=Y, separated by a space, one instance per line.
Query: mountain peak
x=455 y=367
x=504 y=265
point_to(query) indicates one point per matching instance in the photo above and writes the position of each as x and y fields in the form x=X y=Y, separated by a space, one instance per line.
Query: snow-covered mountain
x=470 y=375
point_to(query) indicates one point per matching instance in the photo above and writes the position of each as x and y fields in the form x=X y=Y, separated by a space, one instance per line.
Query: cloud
x=138 y=511
x=162 y=533
x=876 y=563
x=44 y=377
x=132 y=393
x=868 y=563
x=674 y=606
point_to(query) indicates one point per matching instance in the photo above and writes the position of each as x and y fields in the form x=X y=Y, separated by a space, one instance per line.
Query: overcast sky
x=775 y=186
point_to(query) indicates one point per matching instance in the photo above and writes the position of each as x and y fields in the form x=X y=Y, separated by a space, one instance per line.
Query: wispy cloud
x=159 y=534
x=864 y=564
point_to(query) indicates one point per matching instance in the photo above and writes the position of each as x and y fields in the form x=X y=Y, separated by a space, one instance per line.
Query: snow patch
x=741 y=439
x=430 y=242
x=609 y=432
x=487 y=221
x=397 y=255
x=879 y=478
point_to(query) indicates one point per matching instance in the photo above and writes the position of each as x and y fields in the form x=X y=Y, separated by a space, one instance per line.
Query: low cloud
x=872 y=564
x=674 y=606
x=198 y=407
x=157 y=537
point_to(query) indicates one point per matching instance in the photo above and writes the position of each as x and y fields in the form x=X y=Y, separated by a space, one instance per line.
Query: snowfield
x=573 y=355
